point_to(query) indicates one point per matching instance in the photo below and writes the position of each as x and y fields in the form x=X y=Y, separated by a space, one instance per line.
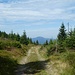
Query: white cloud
x=9 y=12
x=35 y=12
x=34 y=15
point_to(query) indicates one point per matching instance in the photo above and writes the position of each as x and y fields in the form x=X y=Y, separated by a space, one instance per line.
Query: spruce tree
x=51 y=41
x=62 y=33
x=24 y=39
x=61 y=38
x=37 y=42
x=11 y=35
x=17 y=37
x=70 y=41
x=46 y=42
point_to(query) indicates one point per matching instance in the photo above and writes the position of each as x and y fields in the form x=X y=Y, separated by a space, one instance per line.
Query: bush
x=8 y=44
x=7 y=66
x=61 y=47
x=51 y=50
x=2 y=45
x=16 y=44
x=71 y=60
x=70 y=42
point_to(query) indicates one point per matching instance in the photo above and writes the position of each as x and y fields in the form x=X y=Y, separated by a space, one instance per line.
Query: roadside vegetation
x=59 y=52
x=12 y=48
x=62 y=50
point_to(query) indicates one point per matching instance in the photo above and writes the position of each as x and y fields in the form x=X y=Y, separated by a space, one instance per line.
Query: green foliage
x=24 y=39
x=16 y=37
x=66 y=41
x=61 y=38
x=46 y=43
x=61 y=47
x=51 y=41
x=62 y=33
x=51 y=47
x=5 y=44
x=2 y=45
x=30 y=41
x=16 y=44
x=37 y=42
x=11 y=50
x=70 y=41
x=70 y=58
x=7 y=66
x=3 y=34
x=12 y=36
x=51 y=50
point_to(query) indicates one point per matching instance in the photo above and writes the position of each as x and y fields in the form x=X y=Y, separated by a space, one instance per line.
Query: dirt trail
x=29 y=58
x=34 y=63
x=38 y=55
x=24 y=59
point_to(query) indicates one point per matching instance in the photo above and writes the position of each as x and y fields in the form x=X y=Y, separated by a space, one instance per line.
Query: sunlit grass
x=33 y=57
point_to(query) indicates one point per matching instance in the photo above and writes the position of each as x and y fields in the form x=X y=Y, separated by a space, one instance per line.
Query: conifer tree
x=61 y=38
x=62 y=33
x=37 y=42
x=11 y=35
x=70 y=41
x=46 y=42
x=51 y=41
x=17 y=37
x=24 y=39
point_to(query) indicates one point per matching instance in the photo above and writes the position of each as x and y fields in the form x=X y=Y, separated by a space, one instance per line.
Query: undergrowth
x=7 y=65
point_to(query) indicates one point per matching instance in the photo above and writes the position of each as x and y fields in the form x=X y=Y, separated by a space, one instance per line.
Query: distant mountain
x=41 y=40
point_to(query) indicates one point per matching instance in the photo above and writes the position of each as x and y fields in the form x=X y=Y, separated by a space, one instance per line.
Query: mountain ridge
x=40 y=39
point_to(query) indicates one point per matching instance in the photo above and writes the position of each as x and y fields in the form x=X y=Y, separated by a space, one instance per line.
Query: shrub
x=7 y=66
x=2 y=45
x=70 y=42
x=71 y=60
x=8 y=44
x=16 y=44
x=51 y=50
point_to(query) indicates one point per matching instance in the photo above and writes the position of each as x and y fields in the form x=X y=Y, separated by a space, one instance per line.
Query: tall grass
x=7 y=65
x=70 y=59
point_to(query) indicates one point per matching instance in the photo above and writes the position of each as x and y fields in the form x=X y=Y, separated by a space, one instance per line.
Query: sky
x=36 y=17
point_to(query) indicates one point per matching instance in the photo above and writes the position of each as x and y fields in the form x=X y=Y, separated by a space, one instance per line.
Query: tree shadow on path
x=31 y=67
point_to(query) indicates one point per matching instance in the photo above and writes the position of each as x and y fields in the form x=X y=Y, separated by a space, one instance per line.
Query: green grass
x=7 y=65
x=10 y=54
x=43 y=52
x=9 y=61
x=43 y=72
x=66 y=58
x=70 y=58
x=32 y=58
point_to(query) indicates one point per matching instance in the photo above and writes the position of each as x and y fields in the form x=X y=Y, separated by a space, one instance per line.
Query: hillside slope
x=10 y=53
